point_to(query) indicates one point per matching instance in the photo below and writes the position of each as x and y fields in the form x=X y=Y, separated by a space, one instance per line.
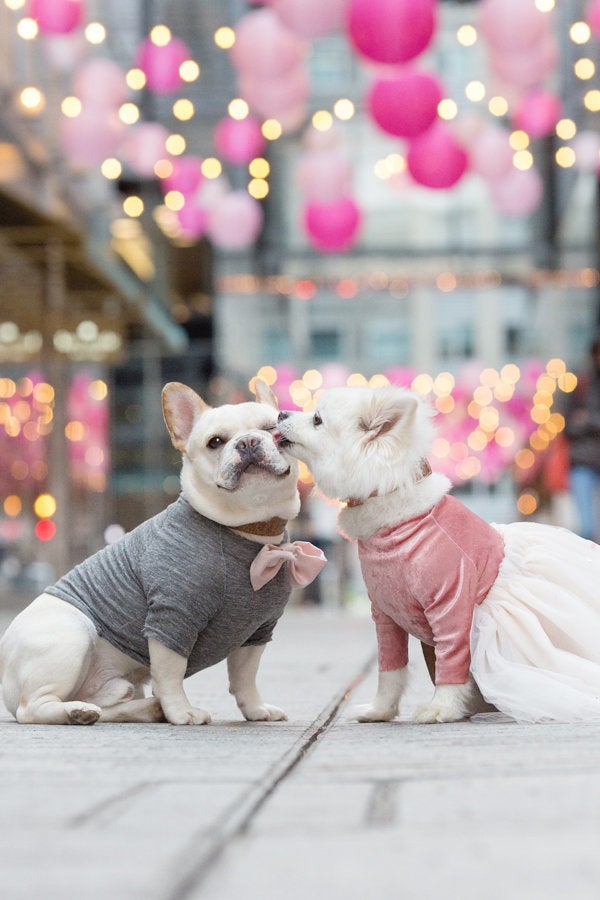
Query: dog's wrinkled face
x=359 y=440
x=229 y=450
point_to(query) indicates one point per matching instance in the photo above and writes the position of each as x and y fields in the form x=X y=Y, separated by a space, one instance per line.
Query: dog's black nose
x=284 y=414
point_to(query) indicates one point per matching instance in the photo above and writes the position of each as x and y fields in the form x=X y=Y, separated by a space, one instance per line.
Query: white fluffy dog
x=512 y=611
x=182 y=591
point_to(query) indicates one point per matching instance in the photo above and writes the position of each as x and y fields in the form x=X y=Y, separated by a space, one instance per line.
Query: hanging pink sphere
x=310 y=18
x=592 y=16
x=235 y=221
x=239 y=140
x=264 y=47
x=101 y=82
x=65 y=51
x=391 y=31
x=186 y=176
x=512 y=24
x=161 y=64
x=435 y=159
x=490 y=153
x=193 y=220
x=586 y=145
x=143 y=146
x=519 y=193
x=527 y=67
x=56 y=16
x=406 y=105
x=332 y=227
x=273 y=97
x=91 y=137
x=537 y=113
x=324 y=175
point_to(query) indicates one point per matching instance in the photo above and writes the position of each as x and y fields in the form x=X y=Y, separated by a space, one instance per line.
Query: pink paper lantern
x=332 y=227
x=592 y=17
x=391 y=31
x=586 y=145
x=512 y=24
x=406 y=105
x=490 y=153
x=538 y=112
x=435 y=159
x=527 y=67
x=193 y=220
x=91 y=137
x=310 y=18
x=264 y=47
x=324 y=175
x=65 y=51
x=235 y=222
x=143 y=146
x=239 y=140
x=100 y=82
x=56 y=16
x=186 y=176
x=519 y=193
x=273 y=97
x=161 y=64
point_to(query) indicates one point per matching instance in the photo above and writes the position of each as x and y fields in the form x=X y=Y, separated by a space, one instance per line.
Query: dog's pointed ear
x=264 y=394
x=388 y=411
x=181 y=407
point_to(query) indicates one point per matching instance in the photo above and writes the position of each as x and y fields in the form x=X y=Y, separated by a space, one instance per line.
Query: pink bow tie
x=304 y=561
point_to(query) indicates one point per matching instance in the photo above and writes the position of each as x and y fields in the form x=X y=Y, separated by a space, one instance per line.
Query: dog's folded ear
x=181 y=407
x=388 y=411
x=264 y=394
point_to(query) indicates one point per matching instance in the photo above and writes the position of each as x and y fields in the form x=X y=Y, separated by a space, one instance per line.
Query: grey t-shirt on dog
x=179 y=578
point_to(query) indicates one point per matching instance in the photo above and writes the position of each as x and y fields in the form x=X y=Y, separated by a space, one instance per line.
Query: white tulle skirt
x=535 y=639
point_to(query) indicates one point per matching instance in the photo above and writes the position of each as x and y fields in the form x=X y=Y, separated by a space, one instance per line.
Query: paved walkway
x=318 y=807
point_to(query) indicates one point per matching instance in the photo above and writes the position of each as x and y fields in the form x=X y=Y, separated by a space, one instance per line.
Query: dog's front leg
x=167 y=669
x=386 y=704
x=451 y=703
x=242 y=667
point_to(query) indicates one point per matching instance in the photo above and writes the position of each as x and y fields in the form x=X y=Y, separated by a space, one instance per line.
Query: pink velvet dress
x=518 y=605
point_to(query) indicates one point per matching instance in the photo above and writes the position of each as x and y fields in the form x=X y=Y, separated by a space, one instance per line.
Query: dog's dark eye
x=215 y=442
x=317 y=420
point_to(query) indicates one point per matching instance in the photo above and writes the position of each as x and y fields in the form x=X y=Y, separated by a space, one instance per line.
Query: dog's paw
x=450 y=703
x=83 y=713
x=371 y=712
x=190 y=716
x=264 y=713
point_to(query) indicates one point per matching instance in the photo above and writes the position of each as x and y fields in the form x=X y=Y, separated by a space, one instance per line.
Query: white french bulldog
x=182 y=591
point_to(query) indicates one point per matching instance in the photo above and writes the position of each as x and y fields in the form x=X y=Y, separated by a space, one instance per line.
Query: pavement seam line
x=238 y=817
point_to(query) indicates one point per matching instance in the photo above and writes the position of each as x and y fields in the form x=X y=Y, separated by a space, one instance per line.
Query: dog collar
x=424 y=472
x=263 y=529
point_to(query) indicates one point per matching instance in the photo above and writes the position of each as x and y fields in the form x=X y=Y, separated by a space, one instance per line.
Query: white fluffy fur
x=54 y=667
x=367 y=446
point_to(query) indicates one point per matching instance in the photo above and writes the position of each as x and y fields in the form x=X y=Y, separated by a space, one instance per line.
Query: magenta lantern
x=332 y=227
x=323 y=175
x=405 y=106
x=592 y=16
x=91 y=137
x=56 y=16
x=101 y=82
x=310 y=18
x=186 y=176
x=161 y=64
x=517 y=194
x=391 y=31
x=435 y=159
x=239 y=140
x=512 y=24
x=193 y=220
x=537 y=113
x=143 y=146
x=264 y=47
x=235 y=221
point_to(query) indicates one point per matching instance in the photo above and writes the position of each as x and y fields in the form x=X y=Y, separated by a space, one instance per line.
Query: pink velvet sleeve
x=392 y=642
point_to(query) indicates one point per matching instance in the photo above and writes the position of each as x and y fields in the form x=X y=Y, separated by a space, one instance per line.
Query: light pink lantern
x=586 y=145
x=101 y=83
x=239 y=140
x=528 y=67
x=56 y=16
x=310 y=18
x=273 y=97
x=519 y=193
x=592 y=16
x=161 y=64
x=235 y=221
x=91 y=137
x=65 y=51
x=391 y=31
x=406 y=105
x=435 y=159
x=332 y=227
x=323 y=175
x=264 y=47
x=538 y=112
x=143 y=146
x=185 y=177
x=490 y=153
x=512 y=25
